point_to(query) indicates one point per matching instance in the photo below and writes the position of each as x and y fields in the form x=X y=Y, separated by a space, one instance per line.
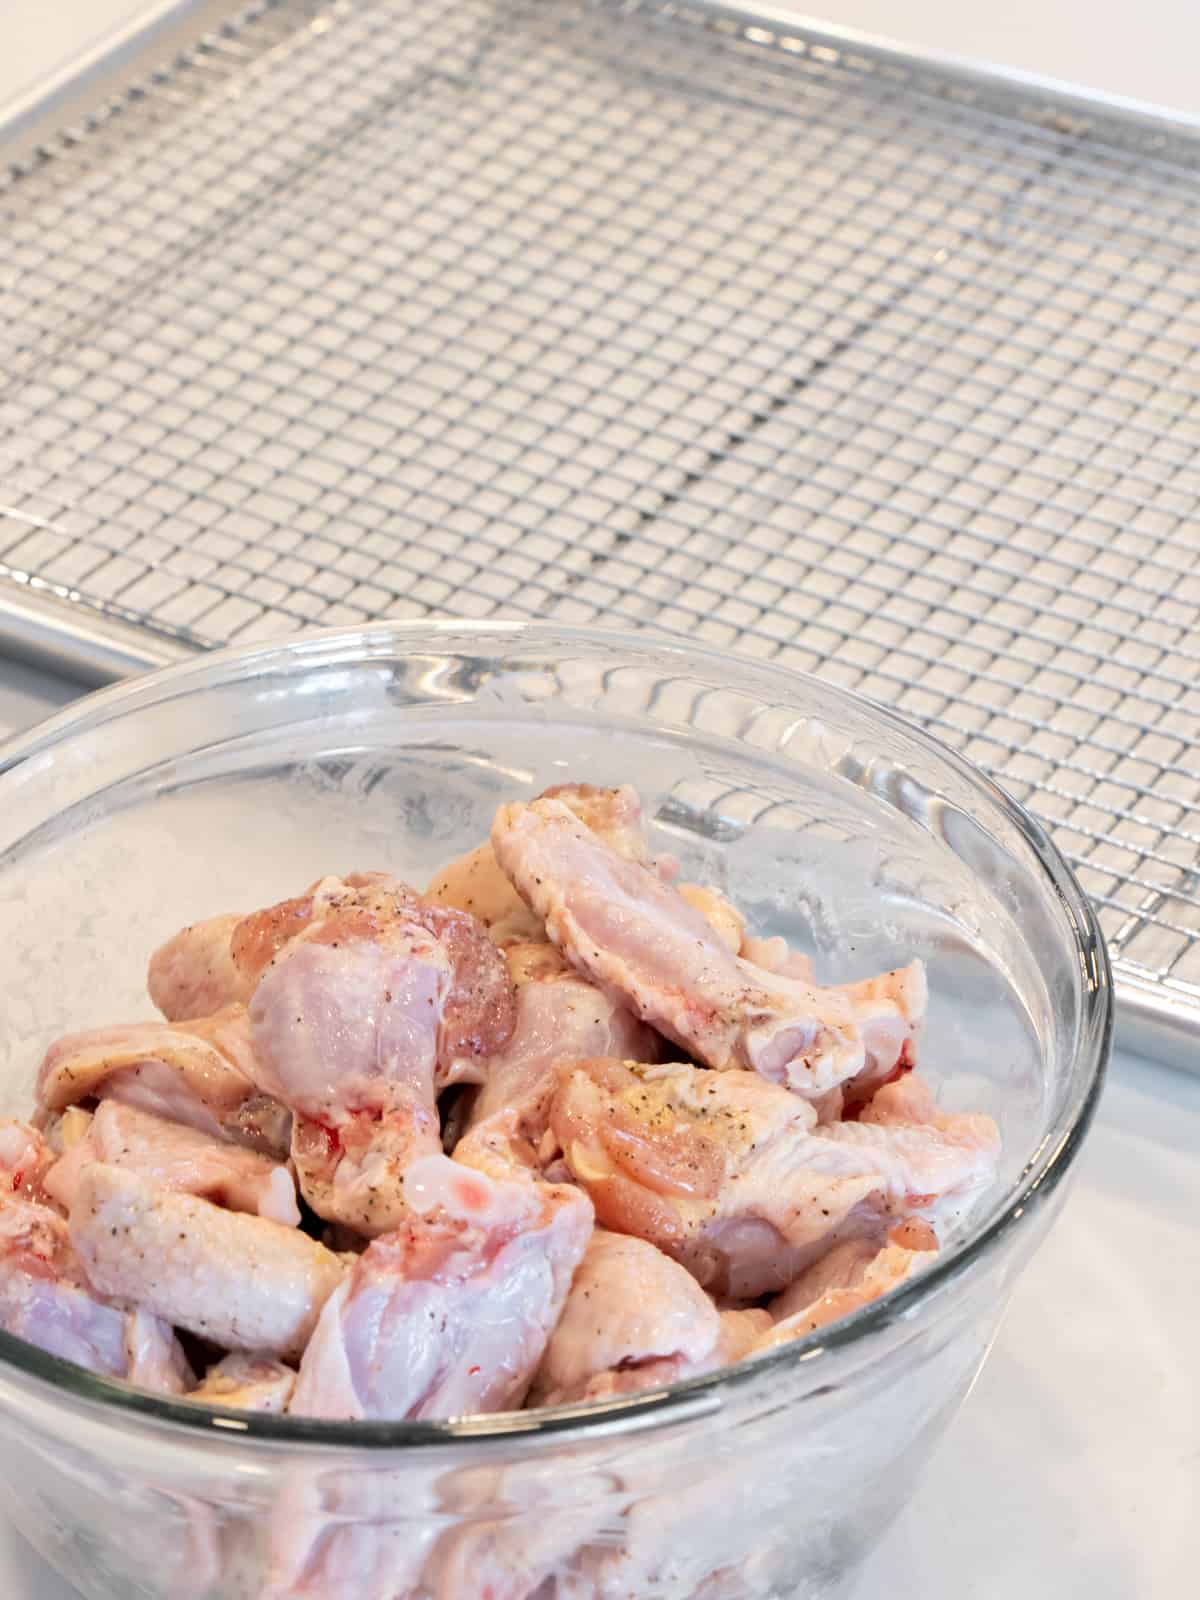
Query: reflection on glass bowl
x=227 y=782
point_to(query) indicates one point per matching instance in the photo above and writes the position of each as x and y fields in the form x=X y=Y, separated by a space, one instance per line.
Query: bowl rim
x=681 y=1401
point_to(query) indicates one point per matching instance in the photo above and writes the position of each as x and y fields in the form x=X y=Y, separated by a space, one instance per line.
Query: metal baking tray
x=666 y=314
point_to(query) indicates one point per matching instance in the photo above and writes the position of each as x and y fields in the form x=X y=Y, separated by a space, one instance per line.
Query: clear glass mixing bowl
x=231 y=781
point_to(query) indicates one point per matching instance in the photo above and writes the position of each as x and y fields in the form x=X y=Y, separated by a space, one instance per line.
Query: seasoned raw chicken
x=450 y=1314
x=741 y=1329
x=732 y=1176
x=348 y=1036
x=198 y=1073
x=478 y=1001
x=176 y=1157
x=716 y=1168
x=214 y=964
x=634 y=1319
x=890 y=1010
x=851 y=1276
x=845 y=1265
x=636 y=937
x=247 y=1383
x=195 y=973
x=476 y=882
x=360 y=1001
x=352 y=1173
x=614 y=815
x=933 y=1160
x=46 y=1299
x=25 y=1158
x=43 y=1297
x=357 y=1021
x=243 y=1282
x=155 y=1356
x=725 y=920
x=66 y=1128
x=840 y=1268
x=514 y=1143
x=560 y=1017
x=909 y=1101
x=462 y=1084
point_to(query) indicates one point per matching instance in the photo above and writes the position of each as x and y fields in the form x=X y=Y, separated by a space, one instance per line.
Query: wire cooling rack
x=645 y=312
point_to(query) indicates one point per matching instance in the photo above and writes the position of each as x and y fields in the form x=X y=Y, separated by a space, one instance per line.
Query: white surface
x=1073 y=1467
x=40 y=37
x=1145 y=51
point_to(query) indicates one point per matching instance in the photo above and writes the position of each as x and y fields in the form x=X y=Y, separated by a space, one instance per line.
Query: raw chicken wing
x=155 y=1356
x=930 y=1160
x=726 y=921
x=179 y=1158
x=216 y=963
x=722 y=1170
x=198 y=1073
x=46 y=1299
x=560 y=1017
x=195 y=973
x=890 y=1010
x=357 y=1021
x=450 y=1314
x=614 y=815
x=476 y=882
x=741 y=1329
x=634 y=1319
x=244 y=1282
x=478 y=1001
x=851 y=1276
x=733 y=1176
x=352 y=1172
x=462 y=1084
x=43 y=1297
x=475 y=1005
x=346 y=1023
x=25 y=1158
x=247 y=1383
x=637 y=938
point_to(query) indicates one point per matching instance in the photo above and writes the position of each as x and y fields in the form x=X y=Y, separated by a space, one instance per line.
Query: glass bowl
x=229 y=782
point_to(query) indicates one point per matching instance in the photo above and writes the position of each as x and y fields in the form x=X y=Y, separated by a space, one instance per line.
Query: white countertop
x=1145 y=52
x=1073 y=1469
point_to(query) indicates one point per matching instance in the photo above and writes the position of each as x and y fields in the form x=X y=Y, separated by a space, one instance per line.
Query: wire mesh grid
x=649 y=314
